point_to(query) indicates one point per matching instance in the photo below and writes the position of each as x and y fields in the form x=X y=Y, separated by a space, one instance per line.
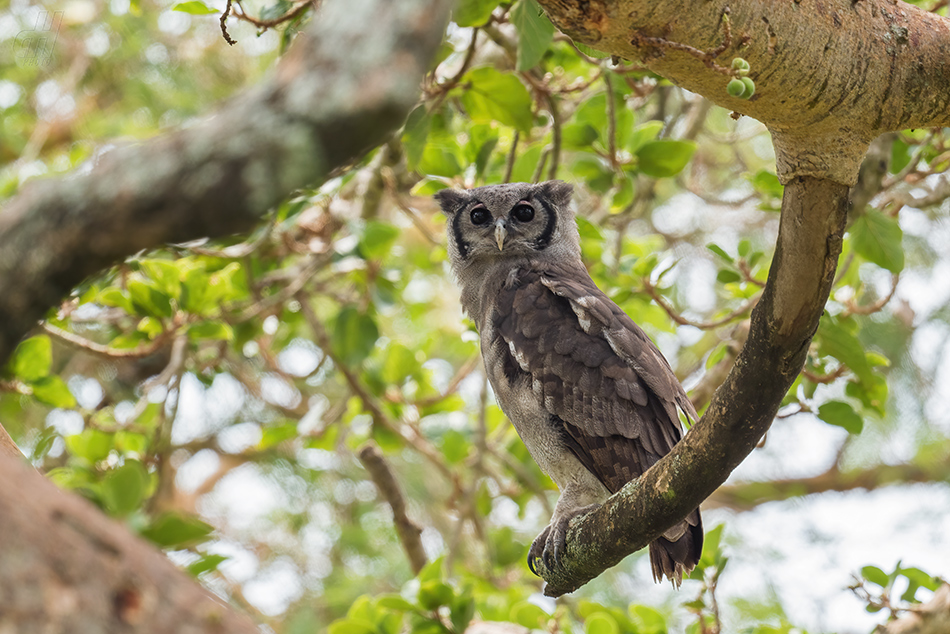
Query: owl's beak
x=500 y=233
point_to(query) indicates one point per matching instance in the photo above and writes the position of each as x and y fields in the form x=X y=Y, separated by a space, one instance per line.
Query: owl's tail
x=673 y=558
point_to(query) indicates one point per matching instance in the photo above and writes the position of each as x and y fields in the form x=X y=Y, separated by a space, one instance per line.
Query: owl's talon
x=551 y=544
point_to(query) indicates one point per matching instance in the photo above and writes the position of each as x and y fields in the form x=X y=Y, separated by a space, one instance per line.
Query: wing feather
x=600 y=377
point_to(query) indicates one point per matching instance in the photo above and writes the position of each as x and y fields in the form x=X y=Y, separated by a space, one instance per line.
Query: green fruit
x=740 y=64
x=749 y=87
x=736 y=88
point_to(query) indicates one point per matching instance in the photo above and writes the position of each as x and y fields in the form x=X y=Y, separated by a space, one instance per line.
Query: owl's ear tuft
x=558 y=192
x=450 y=200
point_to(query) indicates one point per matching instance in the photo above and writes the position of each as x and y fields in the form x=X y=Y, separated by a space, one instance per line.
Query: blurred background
x=215 y=395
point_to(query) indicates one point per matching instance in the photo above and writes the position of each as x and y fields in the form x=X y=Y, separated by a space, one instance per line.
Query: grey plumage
x=592 y=398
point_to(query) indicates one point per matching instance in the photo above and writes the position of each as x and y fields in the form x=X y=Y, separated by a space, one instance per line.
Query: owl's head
x=510 y=221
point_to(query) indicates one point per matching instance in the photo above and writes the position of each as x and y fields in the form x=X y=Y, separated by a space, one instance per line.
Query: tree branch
x=932 y=617
x=384 y=479
x=338 y=92
x=742 y=410
x=66 y=567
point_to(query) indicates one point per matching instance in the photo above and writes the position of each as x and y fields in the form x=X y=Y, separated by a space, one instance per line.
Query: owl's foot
x=550 y=545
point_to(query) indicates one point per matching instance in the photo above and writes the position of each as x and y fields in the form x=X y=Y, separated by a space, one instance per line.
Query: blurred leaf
x=194 y=7
x=600 y=623
x=32 y=359
x=377 y=239
x=841 y=414
x=835 y=341
x=535 y=33
x=124 y=488
x=495 y=96
x=664 y=157
x=875 y=575
x=175 y=530
x=473 y=12
x=414 y=136
x=455 y=446
x=644 y=133
x=276 y=10
x=207 y=563
x=877 y=238
x=148 y=300
x=528 y=615
x=91 y=444
x=433 y=594
x=52 y=390
x=766 y=183
x=215 y=330
x=354 y=335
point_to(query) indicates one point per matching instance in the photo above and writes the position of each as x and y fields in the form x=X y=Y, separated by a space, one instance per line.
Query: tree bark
x=67 y=568
x=830 y=75
x=342 y=88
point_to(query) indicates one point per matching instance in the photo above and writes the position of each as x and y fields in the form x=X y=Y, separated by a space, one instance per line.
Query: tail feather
x=674 y=559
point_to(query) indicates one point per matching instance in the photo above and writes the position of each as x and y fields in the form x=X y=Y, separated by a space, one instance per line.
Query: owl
x=593 y=399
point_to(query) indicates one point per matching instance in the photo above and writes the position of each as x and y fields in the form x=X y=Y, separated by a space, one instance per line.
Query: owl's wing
x=597 y=372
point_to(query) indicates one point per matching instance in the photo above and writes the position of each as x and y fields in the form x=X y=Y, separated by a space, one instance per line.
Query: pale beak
x=500 y=233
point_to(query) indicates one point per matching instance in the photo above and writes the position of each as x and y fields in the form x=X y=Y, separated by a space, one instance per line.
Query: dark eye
x=523 y=213
x=480 y=216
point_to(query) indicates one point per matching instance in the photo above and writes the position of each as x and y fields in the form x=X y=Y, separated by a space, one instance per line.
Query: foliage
x=213 y=396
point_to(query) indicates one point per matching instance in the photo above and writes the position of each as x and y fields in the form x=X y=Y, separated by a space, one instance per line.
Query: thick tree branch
x=742 y=410
x=830 y=76
x=68 y=568
x=339 y=91
x=745 y=496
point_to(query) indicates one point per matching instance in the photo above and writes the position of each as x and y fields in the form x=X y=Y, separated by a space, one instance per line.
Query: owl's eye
x=480 y=216
x=523 y=213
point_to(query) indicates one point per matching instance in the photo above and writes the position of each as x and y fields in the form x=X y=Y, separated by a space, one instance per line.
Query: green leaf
x=767 y=183
x=194 y=7
x=114 y=296
x=877 y=238
x=473 y=12
x=601 y=623
x=841 y=414
x=414 y=135
x=351 y=626
x=875 y=575
x=148 y=300
x=400 y=363
x=728 y=276
x=463 y=609
x=718 y=250
x=377 y=239
x=665 y=157
x=455 y=446
x=838 y=342
x=528 y=615
x=177 y=530
x=433 y=594
x=165 y=274
x=394 y=602
x=32 y=359
x=354 y=335
x=648 y=620
x=91 y=444
x=495 y=96
x=217 y=330
x=124 y=488
x=273 y=435
x=535 y=33
x=52 y=390
x=644 y=133
x=207 y=563
x=578 y=136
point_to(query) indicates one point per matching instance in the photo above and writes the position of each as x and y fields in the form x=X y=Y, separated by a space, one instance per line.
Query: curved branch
x=344 y=85
x=932 y=617
x=830 y=77
x=742 y=410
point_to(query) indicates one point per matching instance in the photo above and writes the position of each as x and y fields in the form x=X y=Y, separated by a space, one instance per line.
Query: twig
x=108 y=352
x=442 y=90
x=266 y=24
x=831 y=377
x=384 y=479
x=611 y=123
x=702 y=325
x=224 y=25
x=853 y=308
x=510 y=163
